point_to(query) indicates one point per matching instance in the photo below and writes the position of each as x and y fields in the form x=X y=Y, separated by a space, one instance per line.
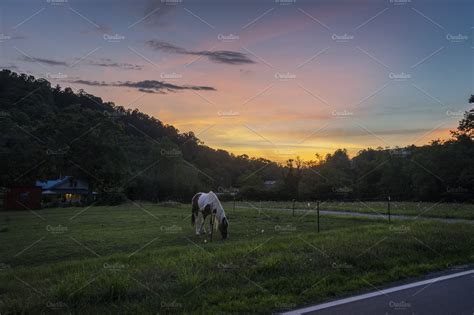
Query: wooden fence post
x=317 y=207
x=388 y=209
x=212 y=224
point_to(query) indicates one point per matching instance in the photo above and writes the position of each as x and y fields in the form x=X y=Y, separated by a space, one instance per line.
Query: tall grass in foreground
x=112 y=259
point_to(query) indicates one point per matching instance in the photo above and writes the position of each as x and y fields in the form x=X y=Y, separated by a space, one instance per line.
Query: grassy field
x=145 y=258
x=416 y=209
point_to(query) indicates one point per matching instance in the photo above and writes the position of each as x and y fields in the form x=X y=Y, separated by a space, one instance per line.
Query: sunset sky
x=265 y=78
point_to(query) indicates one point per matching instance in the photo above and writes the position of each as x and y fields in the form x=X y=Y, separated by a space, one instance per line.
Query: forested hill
x=46 y=132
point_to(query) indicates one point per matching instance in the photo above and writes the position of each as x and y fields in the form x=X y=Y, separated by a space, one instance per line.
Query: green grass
x=416 y=209
x=145 y=259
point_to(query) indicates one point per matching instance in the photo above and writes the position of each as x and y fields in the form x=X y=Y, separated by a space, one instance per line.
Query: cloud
x=150 y=91
x=218 y=56
x=112 y=64
x=98 y=28
x=92 y=83
x=166 y=47
x=9 y=67
x=156 y=11
x=49 y=62
x=147 y=86
x=105 y=62
x=16 y=37
x=162 y=86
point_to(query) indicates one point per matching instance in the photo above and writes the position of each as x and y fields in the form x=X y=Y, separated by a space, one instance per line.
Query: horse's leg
x=205 y=212
x=203 y=228
x=199 y=223
x=211 y=223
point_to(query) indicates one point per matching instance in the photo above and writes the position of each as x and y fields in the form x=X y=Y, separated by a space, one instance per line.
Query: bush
x=111 y=199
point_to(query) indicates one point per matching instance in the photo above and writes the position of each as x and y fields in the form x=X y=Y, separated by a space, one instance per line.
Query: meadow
x=145 y=258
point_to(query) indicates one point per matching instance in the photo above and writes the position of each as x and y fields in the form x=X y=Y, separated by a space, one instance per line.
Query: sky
x=270 y=78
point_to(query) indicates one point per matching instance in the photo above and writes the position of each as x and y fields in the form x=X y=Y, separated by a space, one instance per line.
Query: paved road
x=448 y=294
x=371 y=216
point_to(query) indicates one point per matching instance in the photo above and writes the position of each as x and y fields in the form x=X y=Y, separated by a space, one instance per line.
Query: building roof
x=50 y=184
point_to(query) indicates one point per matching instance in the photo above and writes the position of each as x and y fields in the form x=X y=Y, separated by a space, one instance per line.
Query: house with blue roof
x=67 y=189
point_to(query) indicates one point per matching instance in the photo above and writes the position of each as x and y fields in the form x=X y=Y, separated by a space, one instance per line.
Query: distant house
x=65 y=190
x=269 y=183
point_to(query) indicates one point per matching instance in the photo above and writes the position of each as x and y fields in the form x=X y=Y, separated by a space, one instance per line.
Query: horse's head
x=223 y=226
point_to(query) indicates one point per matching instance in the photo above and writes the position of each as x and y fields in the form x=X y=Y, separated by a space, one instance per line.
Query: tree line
x=47 y=132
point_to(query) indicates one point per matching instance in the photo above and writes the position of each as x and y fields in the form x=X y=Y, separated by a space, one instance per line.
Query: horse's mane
x=215 y=198
x=218 y=203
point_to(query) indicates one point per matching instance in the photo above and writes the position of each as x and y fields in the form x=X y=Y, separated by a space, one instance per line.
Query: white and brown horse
x=204 y=204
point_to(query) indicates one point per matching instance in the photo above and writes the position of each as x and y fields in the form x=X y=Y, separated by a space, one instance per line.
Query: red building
x=22 y=198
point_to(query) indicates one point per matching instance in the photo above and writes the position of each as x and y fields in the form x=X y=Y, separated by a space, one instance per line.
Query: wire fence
x=387 y=210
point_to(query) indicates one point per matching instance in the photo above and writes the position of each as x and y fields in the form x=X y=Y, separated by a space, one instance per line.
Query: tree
x=466 y=125
x=291 y=178
x=46 y=132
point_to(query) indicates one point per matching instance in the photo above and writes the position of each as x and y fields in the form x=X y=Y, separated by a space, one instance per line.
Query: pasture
x=415 y=209
x=145 y=258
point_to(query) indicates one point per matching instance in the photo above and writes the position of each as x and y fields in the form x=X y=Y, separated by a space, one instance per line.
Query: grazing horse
x=204 y=204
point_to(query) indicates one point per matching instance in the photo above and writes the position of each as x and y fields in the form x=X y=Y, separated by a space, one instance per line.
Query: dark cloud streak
x=112 y=64
x=106 y=62
x=218 y=56
x=49 y=62
x=148 y=86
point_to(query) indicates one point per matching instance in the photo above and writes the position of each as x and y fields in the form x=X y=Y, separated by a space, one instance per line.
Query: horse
x=204 y=204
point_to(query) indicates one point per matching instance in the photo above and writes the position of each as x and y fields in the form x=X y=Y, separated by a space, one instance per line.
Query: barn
x=22 y=198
